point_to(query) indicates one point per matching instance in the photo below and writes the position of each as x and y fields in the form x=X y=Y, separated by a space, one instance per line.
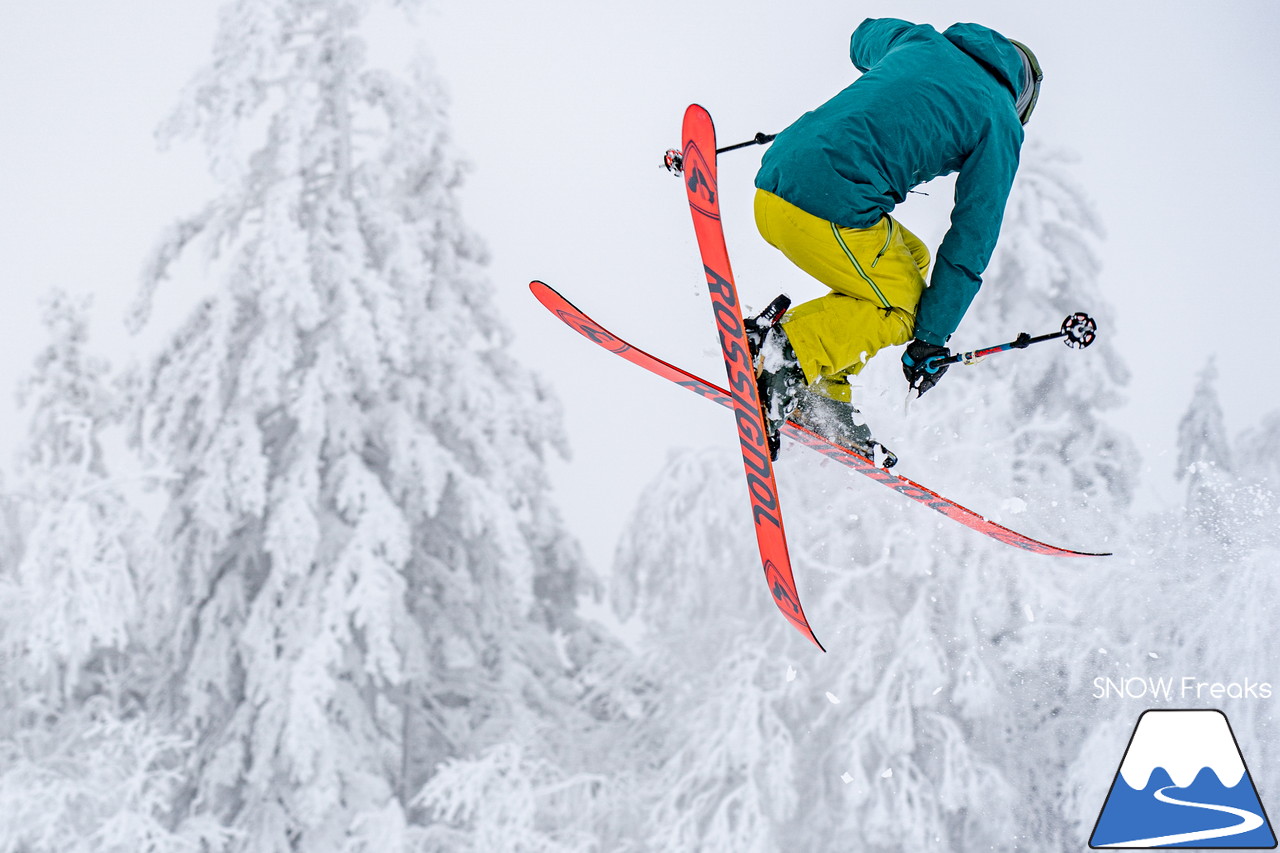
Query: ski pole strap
x=929 y=365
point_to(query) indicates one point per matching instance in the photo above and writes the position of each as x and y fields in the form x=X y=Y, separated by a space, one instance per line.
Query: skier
x=927 y=104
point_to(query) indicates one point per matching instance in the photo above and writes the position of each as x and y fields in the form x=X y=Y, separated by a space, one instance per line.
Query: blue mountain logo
x=1183 y=783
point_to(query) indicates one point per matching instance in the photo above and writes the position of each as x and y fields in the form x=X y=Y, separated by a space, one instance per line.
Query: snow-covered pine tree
x=1214 y=589
x=82 y=765
x=77 y=573
x=1258 y=453
x=709 y=755
x=373 y=579
x=1204 y=459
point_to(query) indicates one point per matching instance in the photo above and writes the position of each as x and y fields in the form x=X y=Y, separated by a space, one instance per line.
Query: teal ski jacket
x=927 y=104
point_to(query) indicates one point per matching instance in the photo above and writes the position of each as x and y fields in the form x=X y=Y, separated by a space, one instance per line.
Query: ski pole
x=1079 y=329
x=758 y=139
x=673 y=160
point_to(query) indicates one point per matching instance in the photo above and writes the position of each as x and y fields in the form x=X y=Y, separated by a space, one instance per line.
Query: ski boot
x=779 y=381
x=841 y=424
x=758 y=326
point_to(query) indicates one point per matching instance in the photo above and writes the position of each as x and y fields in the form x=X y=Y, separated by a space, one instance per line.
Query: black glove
x=920 y=364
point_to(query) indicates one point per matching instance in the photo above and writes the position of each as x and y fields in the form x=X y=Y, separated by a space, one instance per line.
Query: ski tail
x=699 y=160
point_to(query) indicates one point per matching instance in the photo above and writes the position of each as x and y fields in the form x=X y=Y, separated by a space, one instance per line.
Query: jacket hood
x=992 y=50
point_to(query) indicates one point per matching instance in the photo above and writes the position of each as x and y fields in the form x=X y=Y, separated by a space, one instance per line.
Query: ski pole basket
x=1079 y=330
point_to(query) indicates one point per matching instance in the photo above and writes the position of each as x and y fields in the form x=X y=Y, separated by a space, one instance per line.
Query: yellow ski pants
x=876 y=276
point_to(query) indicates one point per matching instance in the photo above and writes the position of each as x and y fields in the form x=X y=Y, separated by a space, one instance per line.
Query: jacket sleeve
x=873 y=38
x=982 y=189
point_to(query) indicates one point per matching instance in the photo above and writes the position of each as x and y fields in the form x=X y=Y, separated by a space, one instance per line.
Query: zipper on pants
x=887 y=240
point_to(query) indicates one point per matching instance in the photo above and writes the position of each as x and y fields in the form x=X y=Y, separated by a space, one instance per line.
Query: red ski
x=699 y=159
x=597 y=334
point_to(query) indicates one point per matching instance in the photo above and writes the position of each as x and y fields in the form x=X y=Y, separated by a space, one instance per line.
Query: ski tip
x=696 y=114
x=551 y=298
x=545 y=293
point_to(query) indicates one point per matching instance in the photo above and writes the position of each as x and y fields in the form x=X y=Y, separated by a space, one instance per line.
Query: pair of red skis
x=699 y=169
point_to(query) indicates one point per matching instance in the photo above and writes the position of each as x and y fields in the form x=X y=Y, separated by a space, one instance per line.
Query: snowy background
x=343 y=419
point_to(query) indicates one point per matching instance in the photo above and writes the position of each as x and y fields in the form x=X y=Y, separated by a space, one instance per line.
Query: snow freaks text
x=1185 y=688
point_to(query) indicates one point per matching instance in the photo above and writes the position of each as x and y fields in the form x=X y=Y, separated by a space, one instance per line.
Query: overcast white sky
x=564 y=108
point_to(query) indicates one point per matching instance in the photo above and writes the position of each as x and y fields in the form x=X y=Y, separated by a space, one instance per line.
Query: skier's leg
x=876 y=276
x=834 y=336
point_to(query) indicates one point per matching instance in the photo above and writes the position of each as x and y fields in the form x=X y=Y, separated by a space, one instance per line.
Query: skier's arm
x=982 y=188
x=873 y=38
